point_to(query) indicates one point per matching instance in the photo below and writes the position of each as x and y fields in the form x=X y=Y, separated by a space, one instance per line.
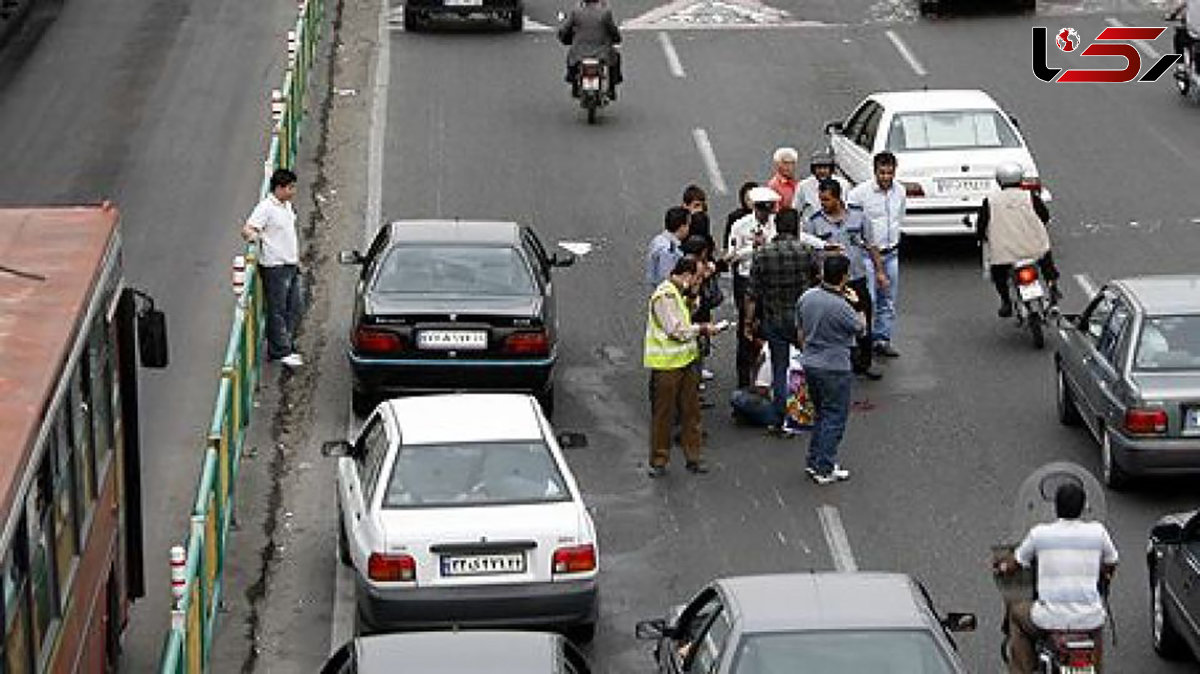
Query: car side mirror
x=572 y=440
x=350 y=257
x=649 y=630
x=1013 y=119
x=337 y=448
x=1167 y=532
x=562 y=259
x=835 y=126
x=960 y=622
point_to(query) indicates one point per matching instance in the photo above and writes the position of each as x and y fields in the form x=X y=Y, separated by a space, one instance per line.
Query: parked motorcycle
x=1034 y=299
x=1056 y=652
x=591 y=83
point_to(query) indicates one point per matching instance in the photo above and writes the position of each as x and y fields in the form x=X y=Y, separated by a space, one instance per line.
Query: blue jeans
x=282 y=284
x=779 y=336
x=830 y=394
x=884 y=300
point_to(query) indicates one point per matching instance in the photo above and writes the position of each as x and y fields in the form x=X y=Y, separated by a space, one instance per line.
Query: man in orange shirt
x=783 y=180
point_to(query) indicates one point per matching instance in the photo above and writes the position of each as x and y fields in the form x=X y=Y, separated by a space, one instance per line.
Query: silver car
x=807 y=622
x=1128 y=367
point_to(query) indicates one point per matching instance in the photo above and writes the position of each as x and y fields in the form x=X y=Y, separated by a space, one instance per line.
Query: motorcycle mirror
x=960 y=622
x=572 y=440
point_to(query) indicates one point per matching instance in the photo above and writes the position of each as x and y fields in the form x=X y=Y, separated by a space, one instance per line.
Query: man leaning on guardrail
x=273 y=225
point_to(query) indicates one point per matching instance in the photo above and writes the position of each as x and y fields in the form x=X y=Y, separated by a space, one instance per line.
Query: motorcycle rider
x=1012 y=221
x=808 y=199
x=1075 y=562
x=1187 y=35
x=591 y=32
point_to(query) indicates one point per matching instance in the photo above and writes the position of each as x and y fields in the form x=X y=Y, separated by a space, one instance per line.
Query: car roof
x=1166 y=294
x=487 y=232
x=934 y=99
x=466 y=417
x=825 y=601
x=465 y=652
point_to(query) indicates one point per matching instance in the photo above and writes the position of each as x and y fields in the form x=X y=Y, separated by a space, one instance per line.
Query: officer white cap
x=763 y=195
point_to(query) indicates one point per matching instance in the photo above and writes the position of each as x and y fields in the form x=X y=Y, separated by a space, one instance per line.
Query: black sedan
x=452 y=305
x=1174 y=558
x=465 y=652
x=808 y=622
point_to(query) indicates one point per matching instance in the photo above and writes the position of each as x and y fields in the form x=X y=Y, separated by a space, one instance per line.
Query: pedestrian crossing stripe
x=716 y=14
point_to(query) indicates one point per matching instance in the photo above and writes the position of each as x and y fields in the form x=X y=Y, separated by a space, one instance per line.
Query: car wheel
x=1112 y=473
x=1167 y=641
x=1068 y=413
x=546 y=400
x=582 y=634
x=362 y=402
x=412 y=20
x=516 y=20
x=928 y=7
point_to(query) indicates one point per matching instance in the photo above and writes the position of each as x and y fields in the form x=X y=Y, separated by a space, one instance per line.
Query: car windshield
x=950 y=130
x=844 y=652
x=466 y=270
x=1169 y=343
x=485 y=473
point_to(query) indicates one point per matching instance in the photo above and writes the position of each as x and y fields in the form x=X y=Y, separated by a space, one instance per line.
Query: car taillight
x=391 y=568
x=1146 y=422
x=1027 y=275
x=913 y=189
x=1032 y=184
x=368 y=340
x=575 y=559
x=527 y=344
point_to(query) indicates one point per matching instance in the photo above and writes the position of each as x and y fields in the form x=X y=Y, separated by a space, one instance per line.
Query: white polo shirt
x=1069 y=554
x=884 y=210
x=275 y=222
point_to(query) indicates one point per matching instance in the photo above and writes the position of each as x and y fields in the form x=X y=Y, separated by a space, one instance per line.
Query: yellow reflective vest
x=661 y=351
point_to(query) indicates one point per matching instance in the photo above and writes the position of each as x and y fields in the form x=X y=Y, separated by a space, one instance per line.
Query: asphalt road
x=479 y=125
x=161 y=106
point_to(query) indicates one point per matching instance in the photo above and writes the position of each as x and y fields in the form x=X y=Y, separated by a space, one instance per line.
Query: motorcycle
x=591 y=84
x=1055 y=652
x=1035 y=299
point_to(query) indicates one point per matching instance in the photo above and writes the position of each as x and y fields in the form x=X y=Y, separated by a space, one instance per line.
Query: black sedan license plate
x=483 y=565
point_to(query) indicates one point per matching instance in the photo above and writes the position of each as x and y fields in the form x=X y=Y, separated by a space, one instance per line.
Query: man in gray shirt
x=828 y=326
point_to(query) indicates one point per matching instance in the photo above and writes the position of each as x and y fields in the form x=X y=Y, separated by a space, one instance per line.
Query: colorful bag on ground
x=799 y=406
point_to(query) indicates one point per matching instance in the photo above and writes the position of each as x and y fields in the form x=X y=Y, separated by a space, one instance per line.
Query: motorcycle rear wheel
x=1036 y=324
x=591 y=113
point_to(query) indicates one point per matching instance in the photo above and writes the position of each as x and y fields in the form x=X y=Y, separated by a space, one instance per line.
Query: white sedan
x=459 y=510
x=947 y=143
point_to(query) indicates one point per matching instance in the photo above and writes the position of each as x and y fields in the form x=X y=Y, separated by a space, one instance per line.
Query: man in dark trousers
x=591 y=32
x=828 y=326
x=780 y=272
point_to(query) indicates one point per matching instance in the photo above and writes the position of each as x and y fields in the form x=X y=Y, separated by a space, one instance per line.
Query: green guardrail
x=197 y=565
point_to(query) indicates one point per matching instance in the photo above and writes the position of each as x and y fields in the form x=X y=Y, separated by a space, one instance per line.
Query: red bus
x=70 y=497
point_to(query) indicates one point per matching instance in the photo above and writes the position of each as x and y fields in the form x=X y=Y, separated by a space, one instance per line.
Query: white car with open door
x=947 y=143
x=460 y=511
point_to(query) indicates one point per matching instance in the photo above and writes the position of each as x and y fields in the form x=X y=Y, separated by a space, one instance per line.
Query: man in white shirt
x=273 y=225
x=1073 y=558
x=882 y=200
x=808 y=197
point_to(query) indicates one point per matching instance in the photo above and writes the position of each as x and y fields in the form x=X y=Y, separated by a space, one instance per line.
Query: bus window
x=81 y=442
x=66 y=529
x=17 y=659
x=41 y=554
x=100 y=373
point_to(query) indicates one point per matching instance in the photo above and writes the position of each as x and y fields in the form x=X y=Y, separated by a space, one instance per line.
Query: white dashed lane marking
x=1142 y=45
x=835 y=535
x=907 y=54
x=672 y=56
x=704 y=146
x=1085 y=282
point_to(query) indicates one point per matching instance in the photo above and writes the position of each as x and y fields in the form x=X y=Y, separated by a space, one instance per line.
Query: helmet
x=1009 y=174
x=821 y=158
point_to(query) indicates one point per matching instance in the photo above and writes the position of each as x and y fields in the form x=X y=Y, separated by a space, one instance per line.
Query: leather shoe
x=873 y=375
x=656 y=471
x=697 y=467
x=1005 y=310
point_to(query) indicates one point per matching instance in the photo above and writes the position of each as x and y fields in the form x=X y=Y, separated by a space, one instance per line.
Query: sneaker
x=697 y=467
x=873 y=375
x=885 y=349
x=656 y=471
x=706 y=374
x=838 y=473
x=292 y=360
x=822 y=479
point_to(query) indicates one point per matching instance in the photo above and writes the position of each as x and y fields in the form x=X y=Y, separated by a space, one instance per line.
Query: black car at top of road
x=808 y=623
x=466 y=652
x=1128 y=368
x=418 y=12
x=453 y=305
x=1173 y=555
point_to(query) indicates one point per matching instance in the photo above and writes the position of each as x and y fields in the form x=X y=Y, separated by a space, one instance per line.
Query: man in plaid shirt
x=780 y=272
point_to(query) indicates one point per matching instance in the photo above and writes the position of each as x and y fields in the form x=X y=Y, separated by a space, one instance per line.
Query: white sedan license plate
x=483 y=565
x=449 y=340
x=591 y=83
x=1033 y=291
x=1192 y=421
x=962 y=185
